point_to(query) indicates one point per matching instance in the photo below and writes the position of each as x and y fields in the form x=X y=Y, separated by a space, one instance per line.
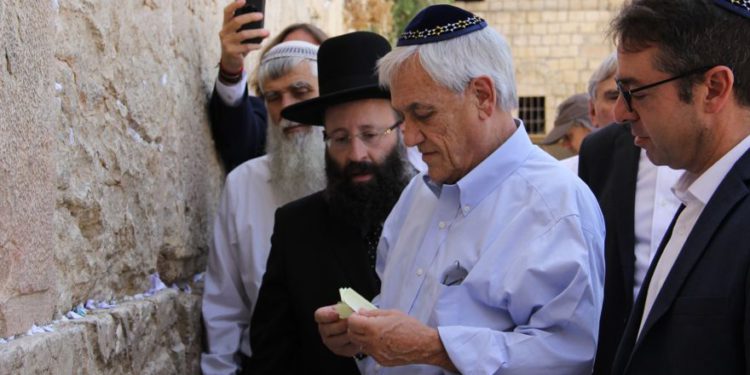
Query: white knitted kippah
x=294 y=48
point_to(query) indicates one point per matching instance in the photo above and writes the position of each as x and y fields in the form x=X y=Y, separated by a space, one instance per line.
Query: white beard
x=297 y=162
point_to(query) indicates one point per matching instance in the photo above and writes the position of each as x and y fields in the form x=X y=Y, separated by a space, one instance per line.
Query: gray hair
x=453 y=63
x=605 y=70
x=282 y=58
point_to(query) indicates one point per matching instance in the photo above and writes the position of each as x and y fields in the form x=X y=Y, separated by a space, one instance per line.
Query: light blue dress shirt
x=521 y=240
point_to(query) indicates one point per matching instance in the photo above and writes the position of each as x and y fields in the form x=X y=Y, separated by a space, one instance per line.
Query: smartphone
x=252 y=6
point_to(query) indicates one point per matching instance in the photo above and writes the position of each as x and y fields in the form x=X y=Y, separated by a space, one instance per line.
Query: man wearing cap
x=293 y=168
x=492 y=261
x=328 y=240
x=572 y=125
x=638 y=204
x=686 y=96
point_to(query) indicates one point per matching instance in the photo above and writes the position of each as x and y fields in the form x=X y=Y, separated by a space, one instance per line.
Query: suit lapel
x=628 y=341
x=729 y=192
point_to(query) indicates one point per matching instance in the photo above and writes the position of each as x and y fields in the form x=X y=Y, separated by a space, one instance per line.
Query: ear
x=592 y=110
x=719 y=81
x=482 y=90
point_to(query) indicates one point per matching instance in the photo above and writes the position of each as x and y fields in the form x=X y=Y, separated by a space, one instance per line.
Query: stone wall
x=556 y=44
x=107 y=167
x=159 y=335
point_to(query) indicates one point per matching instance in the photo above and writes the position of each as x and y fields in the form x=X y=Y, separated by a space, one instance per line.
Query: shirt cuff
x=231 y=95
x=469 y=349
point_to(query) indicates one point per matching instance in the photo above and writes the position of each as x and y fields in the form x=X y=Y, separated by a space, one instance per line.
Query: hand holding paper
x=351 y=301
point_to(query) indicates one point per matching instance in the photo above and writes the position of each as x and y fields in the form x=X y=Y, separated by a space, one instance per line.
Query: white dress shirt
x=694 y=192
x=655 y=205
x=236 y=263
x=571 y=163
x=507 y=264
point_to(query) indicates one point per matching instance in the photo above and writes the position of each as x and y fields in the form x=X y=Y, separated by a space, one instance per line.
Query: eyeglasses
x=627 y=94
x=340 y=141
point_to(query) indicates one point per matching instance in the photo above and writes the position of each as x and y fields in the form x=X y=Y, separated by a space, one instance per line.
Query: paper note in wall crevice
x=351 y=301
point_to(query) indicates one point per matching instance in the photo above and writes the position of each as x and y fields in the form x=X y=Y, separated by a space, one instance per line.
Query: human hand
x=393 y=338
x=333 y=331
x=233 y=52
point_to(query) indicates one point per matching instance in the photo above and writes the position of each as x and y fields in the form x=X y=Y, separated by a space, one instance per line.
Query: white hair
x=605 y=70
x=453 y=63
x=296 y=163
x=277 y=68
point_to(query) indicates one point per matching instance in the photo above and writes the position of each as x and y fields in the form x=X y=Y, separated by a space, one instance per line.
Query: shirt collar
x=492 y=171
x=703 y=187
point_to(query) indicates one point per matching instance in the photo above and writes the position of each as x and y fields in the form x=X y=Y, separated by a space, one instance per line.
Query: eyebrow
x=293 y=86
x=413 y=107
x=627 y=80
x=300 y=85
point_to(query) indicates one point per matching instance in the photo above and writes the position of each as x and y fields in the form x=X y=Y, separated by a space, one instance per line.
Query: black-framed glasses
x=627 y=94
x=341 y=140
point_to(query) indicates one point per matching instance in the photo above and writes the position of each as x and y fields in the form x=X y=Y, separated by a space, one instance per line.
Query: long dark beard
x=366 y=205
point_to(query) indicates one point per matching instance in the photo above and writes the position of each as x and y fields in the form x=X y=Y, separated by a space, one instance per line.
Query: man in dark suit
x=637 y=203
x=687 y=98
x=328 y=240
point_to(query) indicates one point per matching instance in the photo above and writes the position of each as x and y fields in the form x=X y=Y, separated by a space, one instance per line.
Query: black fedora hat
x=346 y=72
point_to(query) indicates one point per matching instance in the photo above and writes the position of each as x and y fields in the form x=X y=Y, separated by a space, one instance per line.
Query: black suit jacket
x=312 y=255
x=239 y=132
x=608 y=163
x=700 y=321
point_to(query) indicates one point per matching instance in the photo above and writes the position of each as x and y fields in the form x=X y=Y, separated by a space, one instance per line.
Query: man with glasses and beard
x=328 y=240
x=293 y=168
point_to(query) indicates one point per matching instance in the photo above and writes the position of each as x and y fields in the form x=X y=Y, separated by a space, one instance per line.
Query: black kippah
x=439 y=22
x=741 y=7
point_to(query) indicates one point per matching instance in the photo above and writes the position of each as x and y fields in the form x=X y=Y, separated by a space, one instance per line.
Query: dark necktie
x=372 y=239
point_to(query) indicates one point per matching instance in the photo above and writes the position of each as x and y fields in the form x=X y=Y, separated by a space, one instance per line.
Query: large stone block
x=157 y=335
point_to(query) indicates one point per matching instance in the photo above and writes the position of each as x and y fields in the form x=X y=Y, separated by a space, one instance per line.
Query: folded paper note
x=351 y=301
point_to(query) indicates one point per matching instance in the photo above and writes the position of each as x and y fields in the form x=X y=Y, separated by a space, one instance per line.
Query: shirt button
x=441 y=225
x=377 y=366
x=419 y=272
x=466 y=209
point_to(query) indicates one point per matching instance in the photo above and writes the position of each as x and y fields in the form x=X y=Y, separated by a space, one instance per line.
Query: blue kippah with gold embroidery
x=741 y=7
x=439 y=22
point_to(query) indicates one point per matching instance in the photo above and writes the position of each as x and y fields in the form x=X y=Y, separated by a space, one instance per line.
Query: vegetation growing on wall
x=402 y=12
x=385 y=17
x=370 y=15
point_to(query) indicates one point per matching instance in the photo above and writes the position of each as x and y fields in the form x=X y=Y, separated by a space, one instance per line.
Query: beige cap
x=573 y=110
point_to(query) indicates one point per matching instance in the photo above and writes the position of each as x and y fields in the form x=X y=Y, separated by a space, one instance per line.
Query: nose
x=357 y=150
x=621 y=112
x=412 y=135
x=566 y=144
x=287 y=100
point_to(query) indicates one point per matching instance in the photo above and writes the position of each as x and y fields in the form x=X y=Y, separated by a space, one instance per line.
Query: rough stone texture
x=108 y=172
x=27 y=165
x=556 y=44
x=158 y=335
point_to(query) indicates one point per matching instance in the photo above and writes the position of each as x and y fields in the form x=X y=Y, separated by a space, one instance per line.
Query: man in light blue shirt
x=493 y=261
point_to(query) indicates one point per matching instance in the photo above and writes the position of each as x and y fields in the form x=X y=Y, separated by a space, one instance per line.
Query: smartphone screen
x=252 y=6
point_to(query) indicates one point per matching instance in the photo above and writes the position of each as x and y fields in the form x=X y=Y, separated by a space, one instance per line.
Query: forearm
x=435 y=353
